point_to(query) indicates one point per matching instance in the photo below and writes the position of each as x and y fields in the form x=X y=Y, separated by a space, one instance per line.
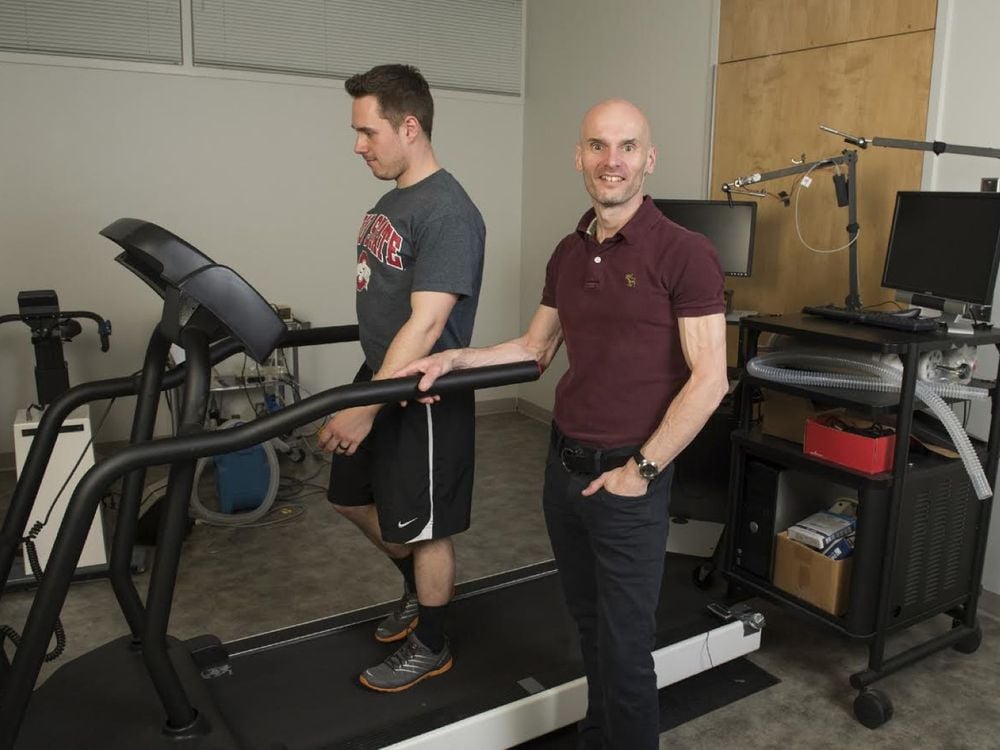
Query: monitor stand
x=733 y=316
x=957 y=324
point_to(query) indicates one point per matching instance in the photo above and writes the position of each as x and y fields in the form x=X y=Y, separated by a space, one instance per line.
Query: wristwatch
x=647 y=469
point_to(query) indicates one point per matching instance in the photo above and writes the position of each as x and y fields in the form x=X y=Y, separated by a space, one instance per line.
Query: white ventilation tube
x=218 y=518
x=880 y=379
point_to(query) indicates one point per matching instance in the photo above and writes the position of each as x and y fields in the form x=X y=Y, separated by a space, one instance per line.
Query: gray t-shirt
x=428 y=237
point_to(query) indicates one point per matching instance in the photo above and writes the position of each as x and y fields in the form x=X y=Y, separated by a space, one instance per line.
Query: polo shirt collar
x=634 y=228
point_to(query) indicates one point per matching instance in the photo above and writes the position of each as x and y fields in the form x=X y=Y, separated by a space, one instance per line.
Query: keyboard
x=879 y=318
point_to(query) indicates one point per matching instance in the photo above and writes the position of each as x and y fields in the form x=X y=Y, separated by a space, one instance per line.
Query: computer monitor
x=944 y=249
x=729 y=226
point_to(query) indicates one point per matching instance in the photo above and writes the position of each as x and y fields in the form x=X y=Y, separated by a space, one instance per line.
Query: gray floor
x=240 y=581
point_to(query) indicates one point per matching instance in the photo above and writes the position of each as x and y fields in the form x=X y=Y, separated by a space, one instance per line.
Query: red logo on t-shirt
x=379 y=237
x=364 y=273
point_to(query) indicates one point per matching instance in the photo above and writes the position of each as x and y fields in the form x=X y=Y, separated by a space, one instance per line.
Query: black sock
x=405 y=565
x=430 y=627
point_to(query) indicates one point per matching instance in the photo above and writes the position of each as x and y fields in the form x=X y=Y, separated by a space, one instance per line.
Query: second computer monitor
x=729 y=226
x=944 y=247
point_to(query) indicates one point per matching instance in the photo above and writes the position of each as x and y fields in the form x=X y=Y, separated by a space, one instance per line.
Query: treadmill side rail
x=564 y=704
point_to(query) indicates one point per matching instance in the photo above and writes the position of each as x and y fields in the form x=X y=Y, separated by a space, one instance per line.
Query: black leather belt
x=584 y=459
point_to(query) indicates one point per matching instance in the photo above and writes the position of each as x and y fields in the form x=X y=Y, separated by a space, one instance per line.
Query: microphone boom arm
x=936 y=147
x=849 y=158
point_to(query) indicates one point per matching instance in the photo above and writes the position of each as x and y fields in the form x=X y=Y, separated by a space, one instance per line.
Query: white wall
x=578 y=52
x=255 y=171
x=965 y=110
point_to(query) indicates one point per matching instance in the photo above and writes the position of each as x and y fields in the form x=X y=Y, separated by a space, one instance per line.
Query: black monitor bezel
x=729 y=204
x=930 y=293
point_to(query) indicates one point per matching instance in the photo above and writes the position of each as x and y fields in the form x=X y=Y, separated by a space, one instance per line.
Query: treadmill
x=295 y=687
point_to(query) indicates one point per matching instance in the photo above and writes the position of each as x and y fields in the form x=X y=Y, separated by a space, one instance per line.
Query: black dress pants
x=610 y=551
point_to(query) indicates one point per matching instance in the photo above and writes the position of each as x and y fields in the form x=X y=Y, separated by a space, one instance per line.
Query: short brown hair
x=400 y=91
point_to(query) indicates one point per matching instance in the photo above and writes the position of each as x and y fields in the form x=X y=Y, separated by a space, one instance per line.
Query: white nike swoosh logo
x=401 y=524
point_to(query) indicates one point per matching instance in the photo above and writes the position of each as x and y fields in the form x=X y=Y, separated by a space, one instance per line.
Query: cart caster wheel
x=970 y=643
x=872 y=708
x=703 y=575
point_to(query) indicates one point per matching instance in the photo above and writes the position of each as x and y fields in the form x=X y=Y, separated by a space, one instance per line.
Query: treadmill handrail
x=87 y=496
x=169 y=450
x=33 y=471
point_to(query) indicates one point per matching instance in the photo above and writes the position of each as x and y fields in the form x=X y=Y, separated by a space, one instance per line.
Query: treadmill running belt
x=306 y=694
x=297 y=688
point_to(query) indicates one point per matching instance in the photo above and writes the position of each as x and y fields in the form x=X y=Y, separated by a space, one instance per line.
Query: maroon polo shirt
x=618 y=303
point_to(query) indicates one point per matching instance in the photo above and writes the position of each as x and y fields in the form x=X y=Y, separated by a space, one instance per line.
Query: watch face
x=647 y=470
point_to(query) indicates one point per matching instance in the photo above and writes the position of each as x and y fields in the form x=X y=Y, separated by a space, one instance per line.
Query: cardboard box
x=784 y=416
x=811 y=576
x=872 y=455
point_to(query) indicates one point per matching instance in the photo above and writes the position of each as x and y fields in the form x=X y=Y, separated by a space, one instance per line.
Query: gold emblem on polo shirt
x=630 y=280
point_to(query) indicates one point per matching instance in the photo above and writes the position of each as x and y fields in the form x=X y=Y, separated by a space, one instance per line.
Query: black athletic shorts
x=416 y=465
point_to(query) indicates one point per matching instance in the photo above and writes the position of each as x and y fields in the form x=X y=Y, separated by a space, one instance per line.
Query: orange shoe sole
x=440 y=670
x=400 y=635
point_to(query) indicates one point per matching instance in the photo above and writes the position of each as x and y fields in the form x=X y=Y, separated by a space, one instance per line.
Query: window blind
x=472 y=45
x=146 y=30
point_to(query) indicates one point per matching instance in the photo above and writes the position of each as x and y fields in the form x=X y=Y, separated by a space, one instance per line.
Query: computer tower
x=754 y=533
x=775 y=498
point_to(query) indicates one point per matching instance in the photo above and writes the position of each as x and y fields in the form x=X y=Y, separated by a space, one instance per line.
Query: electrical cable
x=317 y=451
x=290 y=513
x=8 y=633
x=292 y=380
x=798 y=228
x=708 y=650
x=320 y=490
x=884 y=302
x=34 y=565
x=170 y=411
x=41 y=524
x=243 y=383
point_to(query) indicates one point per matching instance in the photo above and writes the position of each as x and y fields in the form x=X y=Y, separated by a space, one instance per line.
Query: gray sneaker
x=399 y=623
x=411 y=663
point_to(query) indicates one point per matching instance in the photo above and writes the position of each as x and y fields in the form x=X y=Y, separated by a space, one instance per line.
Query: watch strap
x=645 y=465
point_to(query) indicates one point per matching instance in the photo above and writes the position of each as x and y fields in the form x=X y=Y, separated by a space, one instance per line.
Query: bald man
x=639 y=302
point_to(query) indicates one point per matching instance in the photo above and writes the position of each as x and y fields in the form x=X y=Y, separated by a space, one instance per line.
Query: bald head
x=614 y=154
x=617 y=113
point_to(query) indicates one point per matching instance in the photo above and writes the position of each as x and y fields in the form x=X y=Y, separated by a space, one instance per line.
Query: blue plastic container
x=241 y=479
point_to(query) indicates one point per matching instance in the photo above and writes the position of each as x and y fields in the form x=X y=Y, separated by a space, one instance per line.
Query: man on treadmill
x=404 y=475
x=639 y=303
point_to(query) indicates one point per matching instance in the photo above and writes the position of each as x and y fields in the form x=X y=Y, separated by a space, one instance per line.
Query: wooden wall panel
x=755 y=28
x=768 y=111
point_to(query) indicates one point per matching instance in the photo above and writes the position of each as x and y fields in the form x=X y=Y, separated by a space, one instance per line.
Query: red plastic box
x=867 y=454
